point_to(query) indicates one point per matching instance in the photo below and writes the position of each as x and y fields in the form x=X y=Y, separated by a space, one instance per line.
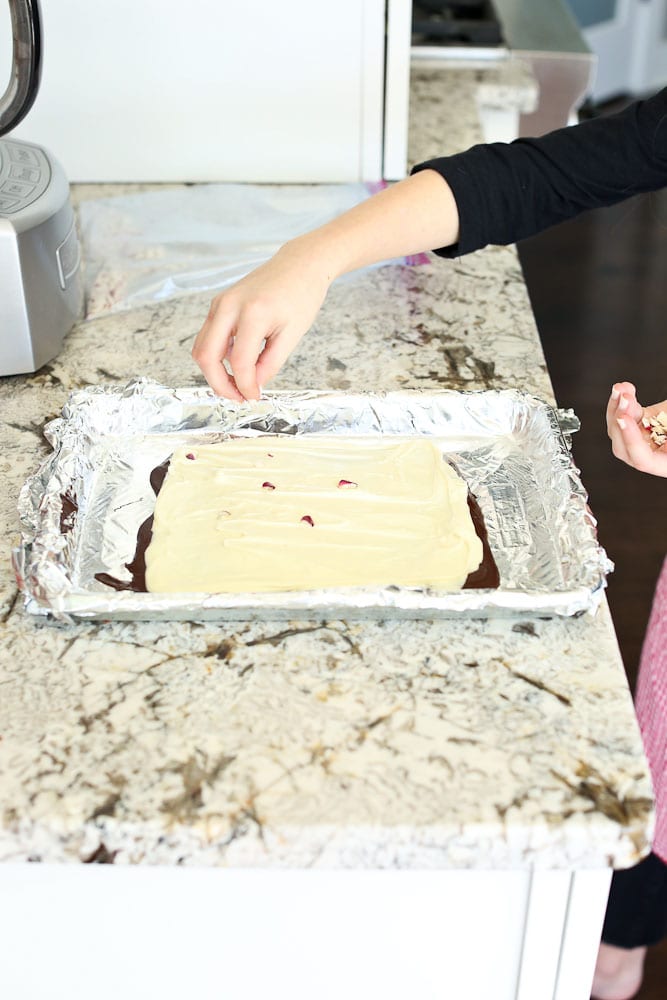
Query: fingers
x=629 y=439
x=240 y=341
x=627 y=402
x=238 y=325
x=243 y=361
x=220 y=340
x=624 y=388
x=622 y=403
x=254 y=347
x=623 y=397
x=638 y=450
x=254 y=325
x=209 y=350
x=257 y=328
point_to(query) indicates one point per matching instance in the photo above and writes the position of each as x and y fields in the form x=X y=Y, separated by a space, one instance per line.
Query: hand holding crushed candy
x=638 y=433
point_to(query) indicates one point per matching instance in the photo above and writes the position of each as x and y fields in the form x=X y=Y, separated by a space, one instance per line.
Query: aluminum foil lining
x=81 y=511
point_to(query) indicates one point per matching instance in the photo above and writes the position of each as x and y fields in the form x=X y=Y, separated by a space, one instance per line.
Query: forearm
x=255 y=324
x=416 y=214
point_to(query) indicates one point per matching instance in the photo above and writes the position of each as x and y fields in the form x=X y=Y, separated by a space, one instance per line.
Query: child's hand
x=257 y=323
x=630 y=440
x=254 y=326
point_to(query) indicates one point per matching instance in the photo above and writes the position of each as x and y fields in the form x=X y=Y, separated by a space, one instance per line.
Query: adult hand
x=256 y=324
x=630 y=439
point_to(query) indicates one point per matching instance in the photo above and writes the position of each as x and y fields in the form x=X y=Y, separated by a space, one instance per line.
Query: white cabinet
x=315 y=934
x=155 y=90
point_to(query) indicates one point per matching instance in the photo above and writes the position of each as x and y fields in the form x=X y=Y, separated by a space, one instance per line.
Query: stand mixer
x=41 y=290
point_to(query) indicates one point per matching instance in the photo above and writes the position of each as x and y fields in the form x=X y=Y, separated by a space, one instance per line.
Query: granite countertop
x=488 y=743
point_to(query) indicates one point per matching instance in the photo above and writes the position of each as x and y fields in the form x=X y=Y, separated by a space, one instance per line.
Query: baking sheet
x=81 y=512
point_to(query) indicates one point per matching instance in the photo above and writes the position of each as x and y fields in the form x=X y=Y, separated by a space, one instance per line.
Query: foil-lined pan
x=81 y=511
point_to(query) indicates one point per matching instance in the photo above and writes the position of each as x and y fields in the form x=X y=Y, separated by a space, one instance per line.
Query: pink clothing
x=651 y=704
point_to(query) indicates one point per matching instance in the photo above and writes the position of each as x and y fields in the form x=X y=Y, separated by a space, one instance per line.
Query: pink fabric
x=651 y=704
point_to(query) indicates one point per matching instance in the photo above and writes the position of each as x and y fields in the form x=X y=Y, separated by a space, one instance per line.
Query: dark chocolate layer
x=137 y=566
x=486 y=576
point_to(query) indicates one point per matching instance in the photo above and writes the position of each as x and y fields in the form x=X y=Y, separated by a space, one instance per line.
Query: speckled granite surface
x=447 y=98
x=430 y=744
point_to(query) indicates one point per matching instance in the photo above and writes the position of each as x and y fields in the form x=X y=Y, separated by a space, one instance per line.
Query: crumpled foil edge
x=111 y=430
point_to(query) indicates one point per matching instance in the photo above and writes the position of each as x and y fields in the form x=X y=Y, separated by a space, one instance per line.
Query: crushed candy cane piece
x=657 y=426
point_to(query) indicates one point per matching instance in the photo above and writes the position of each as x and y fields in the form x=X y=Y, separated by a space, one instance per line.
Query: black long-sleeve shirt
x=508 y=191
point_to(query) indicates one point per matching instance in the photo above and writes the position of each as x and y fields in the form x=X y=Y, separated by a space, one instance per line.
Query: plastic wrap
x=152 y=246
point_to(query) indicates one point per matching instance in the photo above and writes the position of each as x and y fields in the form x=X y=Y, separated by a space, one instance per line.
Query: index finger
x=247 y=347
x=622 y=402
x=209 y=350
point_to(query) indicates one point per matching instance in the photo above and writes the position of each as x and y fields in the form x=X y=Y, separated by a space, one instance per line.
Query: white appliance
x=40 y=279
x=629 y=38
x=217 y=90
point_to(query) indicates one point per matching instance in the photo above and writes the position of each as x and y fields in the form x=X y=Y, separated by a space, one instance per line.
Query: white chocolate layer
x=234 y=517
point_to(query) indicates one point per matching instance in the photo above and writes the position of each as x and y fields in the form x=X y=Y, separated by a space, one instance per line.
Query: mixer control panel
x=24 y=175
